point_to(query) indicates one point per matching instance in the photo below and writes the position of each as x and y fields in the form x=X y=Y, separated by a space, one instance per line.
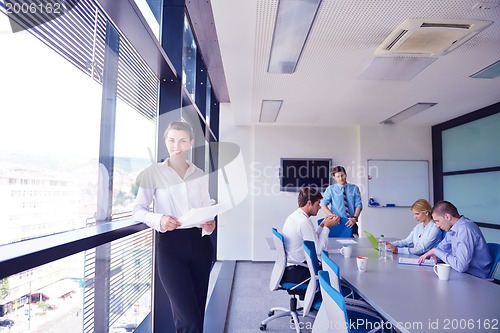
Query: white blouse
x=172 y=194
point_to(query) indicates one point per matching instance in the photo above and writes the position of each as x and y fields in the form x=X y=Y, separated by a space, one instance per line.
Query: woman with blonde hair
x=424 y=236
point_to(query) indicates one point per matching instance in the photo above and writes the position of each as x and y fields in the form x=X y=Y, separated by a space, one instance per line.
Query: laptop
x=372 y=239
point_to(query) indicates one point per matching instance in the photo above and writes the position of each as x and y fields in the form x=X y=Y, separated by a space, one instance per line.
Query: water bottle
x=382 y=248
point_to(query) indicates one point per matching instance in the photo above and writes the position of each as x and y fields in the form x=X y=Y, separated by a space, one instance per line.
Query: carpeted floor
x=251 y=300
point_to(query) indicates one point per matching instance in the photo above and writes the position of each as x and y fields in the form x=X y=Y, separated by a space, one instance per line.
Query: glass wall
x=56 y=131
x=79 y=122
x=477 y=140
x=46 y=298
x=189 y=59
x=50 y=140
x=151 y=10
x=470 y=151
x=467 y=167
x=59 y=297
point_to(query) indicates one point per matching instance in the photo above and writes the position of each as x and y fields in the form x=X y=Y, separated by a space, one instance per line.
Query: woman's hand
x=208 y=226
x=168 y=223
x=391 y=247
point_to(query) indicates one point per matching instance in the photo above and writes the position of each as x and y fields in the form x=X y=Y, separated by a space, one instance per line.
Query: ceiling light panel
x=293 y=23
x=269 y=110
x=407 y=113
x=490 y=72
x=395 y=68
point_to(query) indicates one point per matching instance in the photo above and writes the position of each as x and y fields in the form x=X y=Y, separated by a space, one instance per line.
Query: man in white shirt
x=298 y=227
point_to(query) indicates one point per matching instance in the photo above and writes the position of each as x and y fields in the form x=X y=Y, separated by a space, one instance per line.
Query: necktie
x=345 y=203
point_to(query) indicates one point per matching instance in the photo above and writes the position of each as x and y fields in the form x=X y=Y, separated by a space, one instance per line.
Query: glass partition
x=467 y=167
x=475 y=195
x=478 y=140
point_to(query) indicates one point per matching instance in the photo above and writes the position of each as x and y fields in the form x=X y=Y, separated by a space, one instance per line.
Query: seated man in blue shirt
x=464 y=247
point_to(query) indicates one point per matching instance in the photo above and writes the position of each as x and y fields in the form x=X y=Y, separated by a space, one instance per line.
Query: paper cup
x=362 y=263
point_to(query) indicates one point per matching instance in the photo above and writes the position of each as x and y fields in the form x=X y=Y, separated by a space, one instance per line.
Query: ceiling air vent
x=429 y=37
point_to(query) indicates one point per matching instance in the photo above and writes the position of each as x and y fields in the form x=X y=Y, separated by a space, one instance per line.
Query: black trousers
x=355 y=229
x=295 y=274
x=184 y=264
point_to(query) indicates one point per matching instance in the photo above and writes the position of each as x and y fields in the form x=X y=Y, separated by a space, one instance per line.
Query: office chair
x=339 y=230
x=495 y=254
x=335 y=280
x=312 y=299
x=292 y=288
x=339 y=317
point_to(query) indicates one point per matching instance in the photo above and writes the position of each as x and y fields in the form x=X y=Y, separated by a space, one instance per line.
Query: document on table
x=414 y=261
x=197 y=216
x=346 y=241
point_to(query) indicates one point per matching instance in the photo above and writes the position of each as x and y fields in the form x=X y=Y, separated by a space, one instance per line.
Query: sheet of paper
x=346 y=241
x=414 y=261
x=197 y=216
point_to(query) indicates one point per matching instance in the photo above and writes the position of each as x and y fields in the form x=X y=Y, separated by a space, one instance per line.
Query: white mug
x=442 y=271
x=362 y=263
x=346 y=251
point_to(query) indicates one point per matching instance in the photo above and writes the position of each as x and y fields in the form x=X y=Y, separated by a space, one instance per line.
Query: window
x=58 y=132
x=189 y=59
x=75 y=100
x=50 y=135
x=467 y=167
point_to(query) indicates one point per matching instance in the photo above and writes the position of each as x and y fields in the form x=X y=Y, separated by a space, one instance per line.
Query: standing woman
x=184 y=254
x=424 y=236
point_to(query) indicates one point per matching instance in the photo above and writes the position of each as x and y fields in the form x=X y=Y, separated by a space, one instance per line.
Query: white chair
x=339 y=317
x=312 y=299
x=335 y=280
x=275 y=283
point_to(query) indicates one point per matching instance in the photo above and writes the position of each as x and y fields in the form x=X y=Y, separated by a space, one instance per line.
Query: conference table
x=411 y=298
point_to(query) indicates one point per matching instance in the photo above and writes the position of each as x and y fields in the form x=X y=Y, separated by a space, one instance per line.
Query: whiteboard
x=398 y=182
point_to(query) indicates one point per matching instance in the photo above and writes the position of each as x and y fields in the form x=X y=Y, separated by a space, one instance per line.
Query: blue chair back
x=332 y=268
x=495 y=254
x=339 y=230
x=280 y=263
x=334 y=303
x=312 y=299
x=310 y=249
